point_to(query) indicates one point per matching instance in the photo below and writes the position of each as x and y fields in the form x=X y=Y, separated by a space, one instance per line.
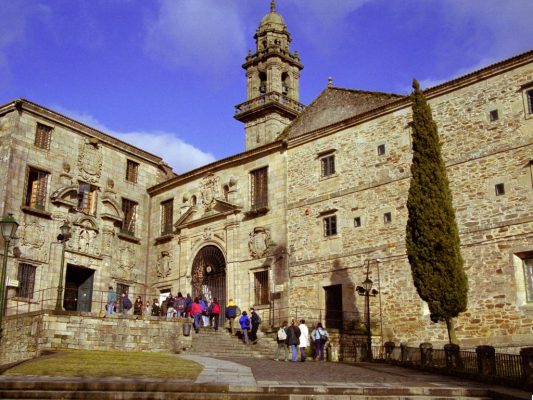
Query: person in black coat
x=293 y=339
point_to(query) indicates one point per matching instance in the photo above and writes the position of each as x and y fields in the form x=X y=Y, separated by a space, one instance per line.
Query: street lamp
x=9 y=229
x=367 y=291
x=63 y=237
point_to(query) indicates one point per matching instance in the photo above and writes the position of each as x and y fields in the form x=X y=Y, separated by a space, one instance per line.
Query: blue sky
x=165 y=75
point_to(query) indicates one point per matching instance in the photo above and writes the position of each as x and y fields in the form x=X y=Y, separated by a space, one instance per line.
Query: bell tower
x=272 y=83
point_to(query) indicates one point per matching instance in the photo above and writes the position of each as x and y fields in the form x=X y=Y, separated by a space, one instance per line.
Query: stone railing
x=269 y=98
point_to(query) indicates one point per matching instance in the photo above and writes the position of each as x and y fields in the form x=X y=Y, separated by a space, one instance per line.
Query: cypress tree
x=432 y=237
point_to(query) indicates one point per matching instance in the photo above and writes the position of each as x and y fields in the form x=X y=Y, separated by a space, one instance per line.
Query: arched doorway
x=209 y=277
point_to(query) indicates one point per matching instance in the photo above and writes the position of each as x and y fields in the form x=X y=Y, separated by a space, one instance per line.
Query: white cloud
x=181 y=156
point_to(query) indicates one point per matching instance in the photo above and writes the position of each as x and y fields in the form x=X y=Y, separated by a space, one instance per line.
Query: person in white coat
x=304 y=339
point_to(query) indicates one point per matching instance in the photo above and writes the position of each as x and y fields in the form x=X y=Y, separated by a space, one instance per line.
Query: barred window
x=129 y=208
x=529 y=95
x=261 y=288
x=87 y=198
x=259 y=188
x=43 y=134
x=26 y=278
x=330 y=226
x=36 y=182
x=167 y=209
x=132 y=171
x=121 y=288
x=528 y=277
x=328 y=166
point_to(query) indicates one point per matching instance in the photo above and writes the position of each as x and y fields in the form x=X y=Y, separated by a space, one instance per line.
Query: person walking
x=293 y=339
x=180 y=305
x=304 y=339
x=320 y=336
x=214 y=312
x=170 y=306
x=196 y=311
x=138 y=306
x=188 y=305
x=256 y=320
x=231 y=314
x=245 y=326
x=111 y=300
x=204 y=310
x=126 y=303
x=281 y=336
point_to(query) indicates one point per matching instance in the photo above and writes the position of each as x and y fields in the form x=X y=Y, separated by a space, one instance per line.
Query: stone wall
x=26 y=336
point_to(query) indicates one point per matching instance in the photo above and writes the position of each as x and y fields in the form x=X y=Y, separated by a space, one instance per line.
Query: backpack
x=258 y=319
x=323 y=338
x=282 y=335
x=181 y=304
x=216 y=309
x=238 y=311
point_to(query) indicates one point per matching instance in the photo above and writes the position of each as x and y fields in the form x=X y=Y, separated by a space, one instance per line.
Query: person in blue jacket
x=245 y=326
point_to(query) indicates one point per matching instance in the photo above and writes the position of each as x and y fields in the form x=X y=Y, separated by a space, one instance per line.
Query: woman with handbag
x=320 y=336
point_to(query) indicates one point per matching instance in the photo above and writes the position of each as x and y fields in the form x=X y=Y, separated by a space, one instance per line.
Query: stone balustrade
x=269 y=98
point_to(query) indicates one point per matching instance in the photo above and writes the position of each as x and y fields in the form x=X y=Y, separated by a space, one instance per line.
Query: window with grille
x=43 y=134
x=87 y=198
x=261 y=288
x=121 y=288
x=327 y=166
x=36 y=182
x=132 y=171
x=330 y=225
x=529 y=96
x=26 y=278
x=528 y=277
x=129 y=208
x=167 y=209
x=259 y=188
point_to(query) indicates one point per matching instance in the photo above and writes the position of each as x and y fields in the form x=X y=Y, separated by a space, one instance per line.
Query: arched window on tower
x=263 y=83
x=285 y=83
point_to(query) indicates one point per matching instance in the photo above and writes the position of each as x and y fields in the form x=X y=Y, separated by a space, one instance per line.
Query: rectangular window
x=529 y=96
x=328 y=166
x=36 y=182
x=43 y=134
x=500 y=189
x=167 y=209
x=87 y=198
x=261 y=288
x=387 y=218
x=330 y=226
x=357 y=222
x=26 y=278
x=259 y=188
x=381 y=149
x=129 y=208
x=132 y=171
x=494 y=115
x=528 y=277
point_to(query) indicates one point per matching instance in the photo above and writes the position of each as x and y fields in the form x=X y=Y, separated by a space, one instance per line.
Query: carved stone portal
x=90 y=162
x=258 y=242
x=164 y=267
x=209 y=190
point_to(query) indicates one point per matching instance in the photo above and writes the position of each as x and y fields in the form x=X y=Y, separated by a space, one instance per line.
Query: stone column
x=389 y=347
x=453 y=356
x=360 y=351
x=426 y=354
x=527 y=367
x=486 y=360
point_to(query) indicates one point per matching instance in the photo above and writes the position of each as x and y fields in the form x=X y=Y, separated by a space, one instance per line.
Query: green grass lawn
x=81 y=363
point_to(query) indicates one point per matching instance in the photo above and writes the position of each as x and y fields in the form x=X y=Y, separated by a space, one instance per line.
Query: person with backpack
x=281 y=336
x=320 y=336
x=256 y=320
x=245 y=326
x=214 y=311
x=126 y=303
x=180 y=305
x=204 y=310
x=293 y=339
x=232 y=312
x=188 y=305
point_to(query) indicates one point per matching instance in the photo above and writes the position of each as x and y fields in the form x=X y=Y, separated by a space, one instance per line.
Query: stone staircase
x=222 y=344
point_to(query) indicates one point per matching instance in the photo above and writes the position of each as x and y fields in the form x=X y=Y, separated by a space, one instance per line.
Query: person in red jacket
x=196 y=311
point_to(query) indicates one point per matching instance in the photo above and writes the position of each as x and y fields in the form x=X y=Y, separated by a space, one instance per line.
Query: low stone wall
x=26 y=336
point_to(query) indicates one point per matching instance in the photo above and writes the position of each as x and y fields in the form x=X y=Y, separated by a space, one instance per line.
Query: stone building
x=292 y=224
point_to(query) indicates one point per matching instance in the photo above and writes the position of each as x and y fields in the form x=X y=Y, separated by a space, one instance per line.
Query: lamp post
x=367 y=291
x=9 y=229
x=63 y=237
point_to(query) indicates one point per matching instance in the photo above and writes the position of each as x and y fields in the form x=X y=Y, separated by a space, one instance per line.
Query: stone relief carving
x=84 y=239
x=90 y=161
x=32 y=239
x=126 y=264
x=209 y=190
x=208 y=233
x=258 y=242
x=107 y=240
x=164 y=267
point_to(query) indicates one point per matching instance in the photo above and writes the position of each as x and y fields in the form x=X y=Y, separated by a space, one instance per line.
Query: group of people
x=295 y=336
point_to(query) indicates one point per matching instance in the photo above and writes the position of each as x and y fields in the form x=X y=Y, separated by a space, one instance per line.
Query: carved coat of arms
x=164 y=267
x=90 y=162
x=258 y=242
x=209 y=190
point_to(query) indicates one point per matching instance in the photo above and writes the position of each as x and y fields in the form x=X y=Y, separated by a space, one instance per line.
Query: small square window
x=328 y=166
x=381 y=149
x=387 y=218
x=500 y=189
x=494 y=115
x=330 y=226
x=132 y=171
x=357 y=222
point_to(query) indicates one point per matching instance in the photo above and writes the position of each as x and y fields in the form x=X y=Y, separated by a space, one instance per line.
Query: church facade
x=294 y=224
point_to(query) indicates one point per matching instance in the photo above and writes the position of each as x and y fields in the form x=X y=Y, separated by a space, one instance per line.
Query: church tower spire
x=272 y=74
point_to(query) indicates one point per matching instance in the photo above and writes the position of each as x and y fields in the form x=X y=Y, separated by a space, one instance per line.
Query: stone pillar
x=527 y=367
x=333 y=352
x=360 y=351
x=426 y=354
x=453 y=356
x=389 y=347
x=486 y=360
x=403 y=349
